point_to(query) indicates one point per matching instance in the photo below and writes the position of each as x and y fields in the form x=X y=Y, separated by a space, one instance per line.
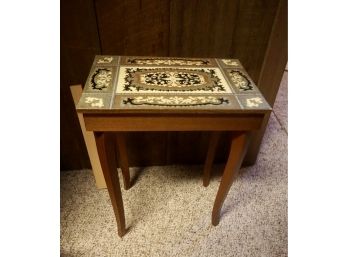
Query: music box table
x=130 y=93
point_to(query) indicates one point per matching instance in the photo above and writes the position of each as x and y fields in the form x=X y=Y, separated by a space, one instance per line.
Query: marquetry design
x=230 y=62
x=240 y=81
x=158 y=61
x=253 y=101
x=106 y=59
x=118 y=83
x=101 y=79
x=175 y=101
x=94 y=101
x=153 y=101
x=164 y=79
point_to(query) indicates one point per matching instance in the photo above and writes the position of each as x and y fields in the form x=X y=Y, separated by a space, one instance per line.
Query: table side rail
x=245 y=122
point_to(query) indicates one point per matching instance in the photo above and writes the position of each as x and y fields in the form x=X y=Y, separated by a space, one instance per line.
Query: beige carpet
x=168 y=211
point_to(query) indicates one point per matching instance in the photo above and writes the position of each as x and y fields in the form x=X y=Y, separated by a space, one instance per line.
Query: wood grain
x=79 y=43
x=253 y=25
x=106 y=151
x=236 y=154
x=207 y=28
x=201 y=28
x=172 y=123
x=133 y=27
x=272 y=71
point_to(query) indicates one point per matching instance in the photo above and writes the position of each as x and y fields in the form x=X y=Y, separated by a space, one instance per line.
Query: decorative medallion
x=240 y=80
x=164 y=79
x=254 y=102
x=101 y=79
x=171 y=61
x=94 y=101
x=105 y=59
x=175 y=101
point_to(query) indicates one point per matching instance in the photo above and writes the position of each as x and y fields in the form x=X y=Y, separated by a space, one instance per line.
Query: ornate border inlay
x=170 y=80
x=171 y=61
x=101 y=79
x=175 y=101
x=149 y=83
x=240 y=81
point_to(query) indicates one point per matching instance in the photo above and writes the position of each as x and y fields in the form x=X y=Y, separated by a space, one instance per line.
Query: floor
x=173 y=216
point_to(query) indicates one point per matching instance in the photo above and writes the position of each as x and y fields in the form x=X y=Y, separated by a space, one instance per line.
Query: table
x=137 y=93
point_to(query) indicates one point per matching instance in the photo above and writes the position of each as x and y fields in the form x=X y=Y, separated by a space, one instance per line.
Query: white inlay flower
x=94 y=101
x=254 y=102
x=230 y=62
x=105 y=60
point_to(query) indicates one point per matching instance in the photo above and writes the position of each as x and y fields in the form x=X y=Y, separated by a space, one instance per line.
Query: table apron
x=173 y=123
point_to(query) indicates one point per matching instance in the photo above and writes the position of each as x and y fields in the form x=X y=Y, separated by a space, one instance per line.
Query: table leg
x=106 y=151
x=213 y=142
x=234 y=161
x=122 y=150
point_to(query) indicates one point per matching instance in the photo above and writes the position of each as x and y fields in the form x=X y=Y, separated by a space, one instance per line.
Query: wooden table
x=129 y=94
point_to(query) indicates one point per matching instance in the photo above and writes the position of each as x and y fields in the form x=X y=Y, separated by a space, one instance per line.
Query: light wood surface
x=76 y=91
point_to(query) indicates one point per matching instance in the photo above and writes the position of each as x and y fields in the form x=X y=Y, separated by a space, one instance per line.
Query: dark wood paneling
x=147 y=148
x=196 y=28
x=223 y=28
x=133 y=27
x=273 y=67
x=202 y=28
x=79 y=43
x=254 y=21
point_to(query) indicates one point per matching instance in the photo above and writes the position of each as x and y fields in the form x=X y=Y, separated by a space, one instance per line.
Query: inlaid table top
x=132 y=84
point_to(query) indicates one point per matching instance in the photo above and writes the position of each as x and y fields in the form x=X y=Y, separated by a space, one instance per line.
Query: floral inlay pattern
x=94 y=101
x=230 y=62
x=254 y=102
x=105 y=60
x=101 y=79
x=175 y=101
x=171 y=61
x=146 y=83
x=172 y=80
x=240 y=81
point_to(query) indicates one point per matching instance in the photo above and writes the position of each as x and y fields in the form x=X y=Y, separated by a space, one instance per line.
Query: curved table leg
x=106 y=151
x=122 y=150
x=235 y=158
x=213 y=142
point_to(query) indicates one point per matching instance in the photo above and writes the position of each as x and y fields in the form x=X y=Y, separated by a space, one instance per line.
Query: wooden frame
x=104 y=126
